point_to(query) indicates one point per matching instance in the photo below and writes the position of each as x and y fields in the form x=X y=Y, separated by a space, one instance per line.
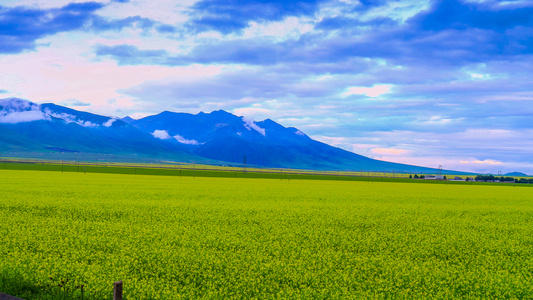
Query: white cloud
x=257 y=113
x=482 y=162
x=290 y=27
x=22 y=117
x=389 y=151
x=374 y=91
x=479 y=76
x=161 y=134
x=68 y=118
x=334 y=141
x=249 y=124
x=183 y=140
x=19 y=111
x=86 y=124
x=65 y=71
x=109 y=123
x=165 y=11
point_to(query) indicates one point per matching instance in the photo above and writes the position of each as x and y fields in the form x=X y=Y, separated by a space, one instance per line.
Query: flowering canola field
x=226 y=238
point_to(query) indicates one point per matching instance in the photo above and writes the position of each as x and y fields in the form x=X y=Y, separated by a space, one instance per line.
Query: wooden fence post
x=117 y=290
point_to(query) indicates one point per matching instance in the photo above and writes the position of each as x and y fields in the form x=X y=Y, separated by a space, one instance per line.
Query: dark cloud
x=459 y=15
x=103 y=24
x=80 y=103
x=448 y=35
x=365 y=5
x=232 y=16
x=409 y=44
x=74 y=102
x=131 y=55
x=343 y=23
x=166 y=29
x=20 y=27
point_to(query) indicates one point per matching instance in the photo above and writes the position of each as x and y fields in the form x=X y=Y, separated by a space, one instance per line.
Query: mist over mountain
x=216 y=137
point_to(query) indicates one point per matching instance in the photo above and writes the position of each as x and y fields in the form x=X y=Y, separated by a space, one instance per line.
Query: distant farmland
x=168 y=237
x=203 y=170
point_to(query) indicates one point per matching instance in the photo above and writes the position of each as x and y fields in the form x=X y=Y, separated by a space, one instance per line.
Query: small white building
x=434 y=177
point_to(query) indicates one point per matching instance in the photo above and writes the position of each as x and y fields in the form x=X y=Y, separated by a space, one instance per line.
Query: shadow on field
x=12 y=285
x=16 y=287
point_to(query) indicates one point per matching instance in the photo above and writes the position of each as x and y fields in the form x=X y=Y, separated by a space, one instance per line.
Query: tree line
x=502 y=179
x=488 y=178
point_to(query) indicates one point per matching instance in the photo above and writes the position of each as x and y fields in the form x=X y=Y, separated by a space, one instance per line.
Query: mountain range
x=219 y=137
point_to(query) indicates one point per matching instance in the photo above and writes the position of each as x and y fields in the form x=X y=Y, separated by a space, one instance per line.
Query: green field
x=196 y=170
x=171 y=237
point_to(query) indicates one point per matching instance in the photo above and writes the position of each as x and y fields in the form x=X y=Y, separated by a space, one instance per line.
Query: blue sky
x=421 y=82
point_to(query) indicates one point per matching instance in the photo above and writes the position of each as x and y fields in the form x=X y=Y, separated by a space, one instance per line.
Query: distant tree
x=505 y=179
x=467 y=178
x=522 y=180
x=410 y=176
x=444 y=177
x=416 y=176
x=422 y=176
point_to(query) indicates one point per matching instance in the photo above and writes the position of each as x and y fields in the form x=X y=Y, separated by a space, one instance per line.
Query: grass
x=168 y=237
x=196 y=170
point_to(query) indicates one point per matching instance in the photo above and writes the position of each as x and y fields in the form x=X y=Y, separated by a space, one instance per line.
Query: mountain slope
x=29 y=127
x=223 y=136
x=216 y=137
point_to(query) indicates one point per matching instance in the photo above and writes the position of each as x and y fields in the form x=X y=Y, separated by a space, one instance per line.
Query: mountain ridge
x=216 y=137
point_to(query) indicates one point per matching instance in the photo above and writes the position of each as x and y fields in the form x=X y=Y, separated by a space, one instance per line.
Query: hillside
x=30 y=129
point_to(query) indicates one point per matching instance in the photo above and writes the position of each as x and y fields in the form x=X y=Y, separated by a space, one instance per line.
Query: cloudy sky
x=421 y=82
